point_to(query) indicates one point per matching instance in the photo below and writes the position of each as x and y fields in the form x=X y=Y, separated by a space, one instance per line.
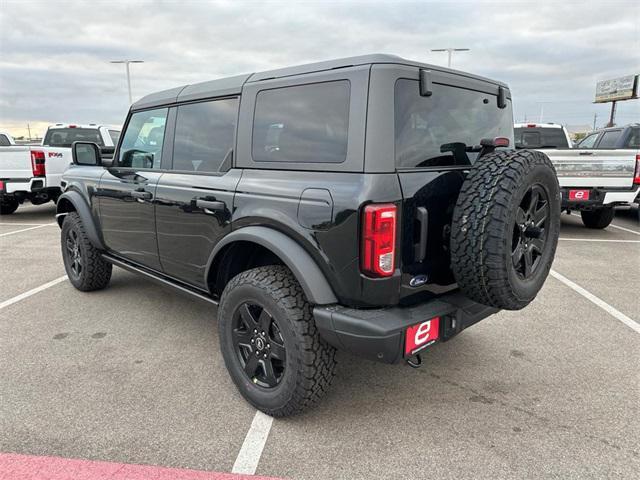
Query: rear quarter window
x=302 y=124
x=4 y=141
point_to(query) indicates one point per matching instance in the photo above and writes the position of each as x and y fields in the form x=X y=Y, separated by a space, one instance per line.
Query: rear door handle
x=141 y=194
x=213 y=205
x=585 y=153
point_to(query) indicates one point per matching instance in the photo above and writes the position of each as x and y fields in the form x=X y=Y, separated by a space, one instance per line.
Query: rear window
x=302 y=124
x=440 y=130
x=535 y=137
x=610 y=139
x=64 y=137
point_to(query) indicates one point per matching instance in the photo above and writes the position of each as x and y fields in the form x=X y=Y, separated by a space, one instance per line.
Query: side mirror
x=85 y=153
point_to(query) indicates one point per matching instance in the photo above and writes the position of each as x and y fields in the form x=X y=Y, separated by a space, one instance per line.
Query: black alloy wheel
x=259 y=345
x=530 y=231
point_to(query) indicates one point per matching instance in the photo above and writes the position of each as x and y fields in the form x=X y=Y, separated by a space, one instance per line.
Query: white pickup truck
x=34 y=172
x=601 y=172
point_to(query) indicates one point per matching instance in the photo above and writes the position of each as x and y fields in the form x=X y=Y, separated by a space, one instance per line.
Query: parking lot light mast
x=450 y=52
x=127 y=62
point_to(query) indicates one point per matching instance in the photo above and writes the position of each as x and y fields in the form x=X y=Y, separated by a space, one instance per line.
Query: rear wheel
x=600 y=218
x=505 y=228
x=85 y=267
x=270 y=344
x=8 y=206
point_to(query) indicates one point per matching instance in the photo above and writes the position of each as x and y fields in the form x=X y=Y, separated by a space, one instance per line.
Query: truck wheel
x=600 y=218
x=83 y=262
x=505 y=228
x=270 y=343
x=8 y=206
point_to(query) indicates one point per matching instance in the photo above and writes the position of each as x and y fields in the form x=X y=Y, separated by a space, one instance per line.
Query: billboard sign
x=623 y=88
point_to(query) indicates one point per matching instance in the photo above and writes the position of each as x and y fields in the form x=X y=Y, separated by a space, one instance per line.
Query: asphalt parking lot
x=134 y=374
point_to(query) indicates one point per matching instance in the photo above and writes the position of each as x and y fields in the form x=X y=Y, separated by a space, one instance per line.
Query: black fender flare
x=84 y=211
x=304 y=268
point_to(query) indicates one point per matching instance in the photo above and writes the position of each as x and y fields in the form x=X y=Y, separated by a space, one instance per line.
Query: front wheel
x=85 y=267
x=600 y=218
x=270 y=344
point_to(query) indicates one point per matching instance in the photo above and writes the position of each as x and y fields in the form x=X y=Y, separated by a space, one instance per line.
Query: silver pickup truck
x=601 y=172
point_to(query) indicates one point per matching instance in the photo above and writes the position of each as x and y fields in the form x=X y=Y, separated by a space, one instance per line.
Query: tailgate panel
x=15 y=162
x=593 y=167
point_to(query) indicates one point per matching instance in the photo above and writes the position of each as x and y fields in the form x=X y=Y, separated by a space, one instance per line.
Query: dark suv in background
x=368 y=204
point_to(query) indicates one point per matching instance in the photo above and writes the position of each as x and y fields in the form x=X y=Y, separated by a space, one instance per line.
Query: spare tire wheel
x=505 y=228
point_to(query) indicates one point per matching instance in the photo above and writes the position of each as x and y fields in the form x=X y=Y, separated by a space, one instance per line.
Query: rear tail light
x=636 y=175
x=378 y=252
x=1 y=185
x=37 y=163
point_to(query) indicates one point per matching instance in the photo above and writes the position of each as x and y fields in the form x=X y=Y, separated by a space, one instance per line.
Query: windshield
x=536 y=137
x=441 y=130
x=64 y=137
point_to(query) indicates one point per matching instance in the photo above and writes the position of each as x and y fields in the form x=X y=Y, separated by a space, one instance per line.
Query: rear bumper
x=15 y=185
x=379 y=334
x=599 y=197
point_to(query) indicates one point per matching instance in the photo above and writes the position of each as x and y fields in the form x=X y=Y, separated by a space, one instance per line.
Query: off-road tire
x=310 y=362
x=600 y=218
x=483 y=227
x=96 y=272
x=8 y=206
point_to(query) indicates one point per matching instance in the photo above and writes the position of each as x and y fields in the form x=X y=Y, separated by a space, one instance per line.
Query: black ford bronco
x=369 y=204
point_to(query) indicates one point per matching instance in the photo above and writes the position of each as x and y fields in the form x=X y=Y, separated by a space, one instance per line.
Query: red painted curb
x=26 y=467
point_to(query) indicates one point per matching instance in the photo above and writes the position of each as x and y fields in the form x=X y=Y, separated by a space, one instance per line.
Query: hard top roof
x=233 y=85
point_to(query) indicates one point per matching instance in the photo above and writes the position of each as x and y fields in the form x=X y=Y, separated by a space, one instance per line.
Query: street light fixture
x=450 y=51
x=127 y=62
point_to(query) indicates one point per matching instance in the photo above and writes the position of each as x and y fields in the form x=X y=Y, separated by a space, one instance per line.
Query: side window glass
x=610 y=139
x=115 y=136
x=4 y=141
x=302 y=124
x=589 y=141
x=143 y=139
x=634 y=138
x=204 y=135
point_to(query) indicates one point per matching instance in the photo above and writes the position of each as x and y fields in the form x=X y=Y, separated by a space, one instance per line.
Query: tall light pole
x=127 y=62
x=450 y=52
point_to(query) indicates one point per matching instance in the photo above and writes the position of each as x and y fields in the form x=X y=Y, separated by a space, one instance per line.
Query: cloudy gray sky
x=54 y=56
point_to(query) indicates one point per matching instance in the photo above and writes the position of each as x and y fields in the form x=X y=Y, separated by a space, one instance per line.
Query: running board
x=157 y=278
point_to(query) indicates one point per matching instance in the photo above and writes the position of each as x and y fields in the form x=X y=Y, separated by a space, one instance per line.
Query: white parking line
x=251 y=450
x=601 y=303
x=598 y=240
x=33 y=291
x=623 y=228
x=26 y=229
x=7 y=224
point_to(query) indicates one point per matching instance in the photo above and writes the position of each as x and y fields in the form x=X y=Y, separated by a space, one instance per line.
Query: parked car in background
x=34 y=172
x=6 y=140
x=368 y=204
x=601 y=172
x=541 y=135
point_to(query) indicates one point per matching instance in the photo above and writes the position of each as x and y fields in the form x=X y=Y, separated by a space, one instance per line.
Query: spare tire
x=505 y=228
